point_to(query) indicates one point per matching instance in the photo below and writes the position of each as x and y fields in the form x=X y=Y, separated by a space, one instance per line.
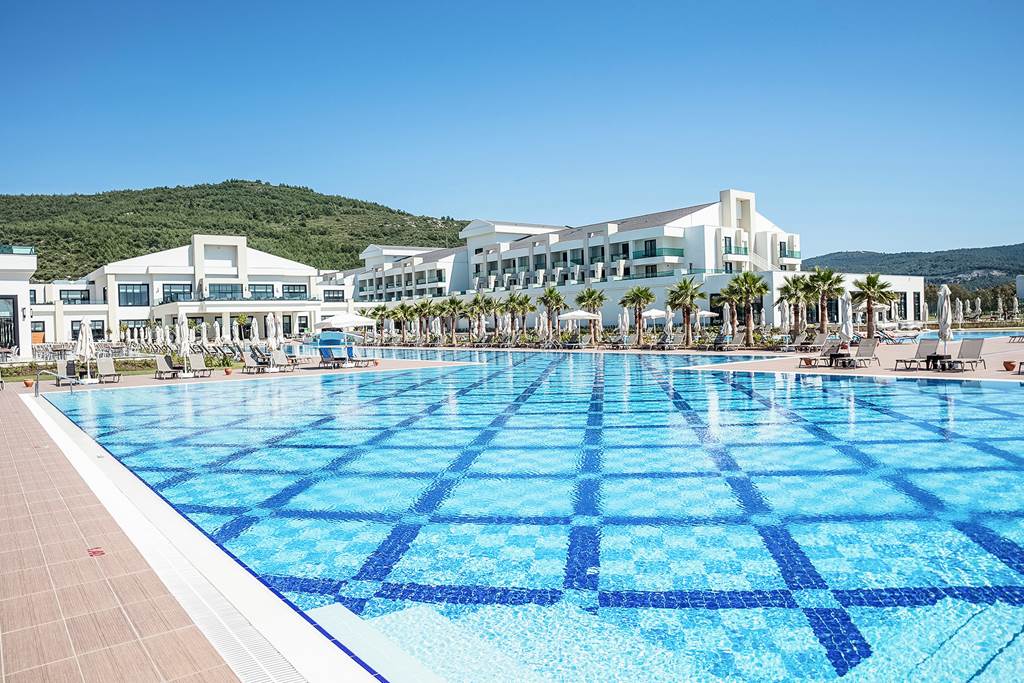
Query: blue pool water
x=584 y=517
x=973 y=334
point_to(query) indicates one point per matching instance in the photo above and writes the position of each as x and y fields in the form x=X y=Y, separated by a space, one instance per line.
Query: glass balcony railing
x=654 y=253
x=742 y=251
x=704 y=271
x=646 y=275
x=17 y=249
x=789 y=253
x=172 y=298
x=619 y=257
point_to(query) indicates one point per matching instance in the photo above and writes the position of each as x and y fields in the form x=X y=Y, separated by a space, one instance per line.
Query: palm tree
x=792 y=293
x=424 y=310
x=453 y=309
x=750 y=286
x=731 y=295
x=403 y=313
x=826 y=284
x=553 y=302
x=592 y=301
x=379 y=313
x=522 y=305
x=638 y=298
x=872 y=290
x=684 y=296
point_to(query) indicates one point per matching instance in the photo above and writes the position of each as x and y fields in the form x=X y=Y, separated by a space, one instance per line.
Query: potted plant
x=29 y=383
x=228 y=370
x=1009 y=365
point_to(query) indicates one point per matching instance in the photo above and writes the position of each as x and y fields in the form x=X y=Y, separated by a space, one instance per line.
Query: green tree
x=731 y=294
x=453 y=308
x=637 y=298
x=683 y=296
x=826 y=284
x=793 y=293
x=870 y=291
x=592 y=301
x=553 y=302
x=403 y=313
x=750 y=286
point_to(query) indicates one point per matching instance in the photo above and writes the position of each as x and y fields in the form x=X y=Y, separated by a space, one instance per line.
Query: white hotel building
x=220 y=277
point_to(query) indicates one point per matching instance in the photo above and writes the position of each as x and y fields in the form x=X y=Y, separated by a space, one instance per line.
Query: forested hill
x=972 y=268
x=75 y=234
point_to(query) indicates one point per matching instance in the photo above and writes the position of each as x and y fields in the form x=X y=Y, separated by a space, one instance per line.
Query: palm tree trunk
x=638 y=315
x=687 y=333
x=822 y=314
x=748 y=310
x=871 y=318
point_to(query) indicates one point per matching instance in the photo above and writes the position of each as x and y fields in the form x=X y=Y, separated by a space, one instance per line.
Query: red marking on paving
x=96 y=552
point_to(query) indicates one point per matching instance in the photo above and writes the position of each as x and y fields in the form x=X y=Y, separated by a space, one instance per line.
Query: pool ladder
x=71 y=386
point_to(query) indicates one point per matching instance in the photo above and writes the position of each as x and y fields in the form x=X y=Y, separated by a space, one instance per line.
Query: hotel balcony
x=658 y=253
x=789 y=256
x=733 y=253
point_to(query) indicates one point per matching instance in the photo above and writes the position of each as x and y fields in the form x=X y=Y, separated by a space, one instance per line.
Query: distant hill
x=972 y=268
x=75 y=234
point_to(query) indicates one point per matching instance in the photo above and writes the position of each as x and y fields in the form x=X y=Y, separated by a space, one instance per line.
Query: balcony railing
x=242 y=297
x=742 y=251
x=654 y=253
x=789 y=253
x=619 y=257
x=645 y=275
x=17 y=249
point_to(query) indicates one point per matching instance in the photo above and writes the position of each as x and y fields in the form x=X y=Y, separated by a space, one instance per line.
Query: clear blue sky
x=860 y=125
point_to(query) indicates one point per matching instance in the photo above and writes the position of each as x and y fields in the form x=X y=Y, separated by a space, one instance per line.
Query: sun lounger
x=816 y=344
x=824 y=355
x=197 y=364
x=359 y=361
x=69 y=375
x=1017 y=338
x=327 y=359
x=866 y=353
x=253 y=366
x=165 y=369
x=281 y=361
x=106 y=371
x=925 y=348
x=722 y=342
x=970 y=353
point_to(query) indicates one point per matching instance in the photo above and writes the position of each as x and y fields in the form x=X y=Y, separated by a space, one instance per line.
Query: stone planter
x=1009 y=365
x=228 y=371
x=29 y=383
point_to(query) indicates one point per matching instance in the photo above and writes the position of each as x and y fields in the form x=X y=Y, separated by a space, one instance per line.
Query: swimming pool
x=580 y=517
x=973 y=334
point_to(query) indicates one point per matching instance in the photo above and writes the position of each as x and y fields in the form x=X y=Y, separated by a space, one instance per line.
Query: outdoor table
x=934 y=361
x=840 y=359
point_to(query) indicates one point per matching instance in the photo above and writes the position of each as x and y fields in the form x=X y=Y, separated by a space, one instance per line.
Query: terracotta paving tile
x=35 y=646
x=58 y=534
x=85 y=598
x=125 y=663
x=82 y=570
x=65 y=551
x=64 y=671
x=48 y=519
x=24 y=581
x=100 y=630
x=140 y=586
x=118 y=562
x=179 y=653
x=24 y=558
x=28 y=610
x=222 y=674
x=18 y=540
x=152 y=617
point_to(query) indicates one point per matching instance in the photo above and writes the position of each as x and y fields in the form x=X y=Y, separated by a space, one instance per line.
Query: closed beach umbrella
x=924 y=311
x=977 y=305
x=696 y=323
x=203 y=333
x=183 y=341
x=669 y=314
x=784 y=318
x=217 y=332
x=945 y=314
x=271 y=331
x=726 y=319
x=894 y=311
x=84 y=347
x=254 y=331
x=999 y=306
x=846 y=315
x=280 y=328
x=1015 y=307
x=967 y=307
x=959 y=312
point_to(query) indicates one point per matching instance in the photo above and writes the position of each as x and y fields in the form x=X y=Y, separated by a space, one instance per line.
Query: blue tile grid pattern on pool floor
x=625 y=486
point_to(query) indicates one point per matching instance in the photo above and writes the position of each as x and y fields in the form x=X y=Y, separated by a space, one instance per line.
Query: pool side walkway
x=78 y=602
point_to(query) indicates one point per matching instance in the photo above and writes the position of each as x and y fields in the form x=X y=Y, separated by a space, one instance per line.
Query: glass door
x=8 y=326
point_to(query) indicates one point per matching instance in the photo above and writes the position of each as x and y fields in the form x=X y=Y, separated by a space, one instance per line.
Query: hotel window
x=135 y=324
x=225 y=292
x=650 y=248
x=74 y=296
x=286 y=324
x=31 y=296
x=303 y=323
x=334 y=295
x=728 y=266
x=917 y=305
x=539 y=262
x=38 y=326
x=97 y=329
x=133 y=295
x=261 y=291
x=299 y=291
x=177 y=292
